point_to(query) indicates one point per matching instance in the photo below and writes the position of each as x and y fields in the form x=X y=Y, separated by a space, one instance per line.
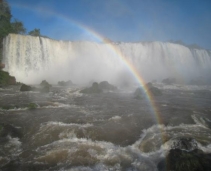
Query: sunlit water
x=110 y=131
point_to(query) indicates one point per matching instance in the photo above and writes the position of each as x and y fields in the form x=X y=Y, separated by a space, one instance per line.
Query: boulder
x=2 y=66
x=63 y=83
x=25 y=87
x=45 y=87
x=45 y=83
x=169 y=81
x=139 y=92
x=92 y=90
x=104 y=85
x=181 y=160
x=12 y=80
x=185 y=156
x=6 y=79
x=9 y=130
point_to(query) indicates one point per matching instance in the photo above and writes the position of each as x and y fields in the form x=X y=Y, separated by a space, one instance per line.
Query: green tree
x=17 y=27
x=5 y=17
x=5 y=27
x=35 y=32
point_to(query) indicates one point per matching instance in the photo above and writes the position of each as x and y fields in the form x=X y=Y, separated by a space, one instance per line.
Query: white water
x=32 y=59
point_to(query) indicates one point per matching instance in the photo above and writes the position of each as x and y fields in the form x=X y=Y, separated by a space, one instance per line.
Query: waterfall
x=31 y=59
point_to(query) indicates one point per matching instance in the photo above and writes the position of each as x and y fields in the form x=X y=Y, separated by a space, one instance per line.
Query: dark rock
x=155 y=91
x=63 y=83
x=45 y=87
x=184 y=143
x=25 y=87
x=45 y=83
x=140 y=93
x=184 y=156
x=104 y=85
x=9 y=130
x=169 y=81
x=12 y=81
x=2 y=66
x=92 y=90
x=181 y=160
x=6 y=79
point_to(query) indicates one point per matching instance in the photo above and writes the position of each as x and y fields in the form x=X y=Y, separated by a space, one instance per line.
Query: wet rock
x=2 y=65
x=184 y=156
x=63 y=83
x=92 y=90
x=104 y=85
x=45 y=87
x=44 y=83
x=169 y=81
x=154 y=90
x=12 y=80
x=181 y=160
x=184 y=143
x=9 y=130
x=6 y=78
x=140 y=93
x=25 y=87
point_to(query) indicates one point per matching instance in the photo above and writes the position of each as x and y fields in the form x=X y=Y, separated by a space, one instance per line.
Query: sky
x=118 y=20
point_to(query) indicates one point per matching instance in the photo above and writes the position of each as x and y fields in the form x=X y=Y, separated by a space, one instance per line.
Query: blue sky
x=118 y=20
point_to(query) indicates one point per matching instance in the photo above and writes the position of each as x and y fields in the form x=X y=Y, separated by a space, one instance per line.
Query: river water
x=109 y=131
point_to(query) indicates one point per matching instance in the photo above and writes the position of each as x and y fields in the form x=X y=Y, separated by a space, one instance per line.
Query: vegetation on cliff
x=6 y=79
x=9 y=24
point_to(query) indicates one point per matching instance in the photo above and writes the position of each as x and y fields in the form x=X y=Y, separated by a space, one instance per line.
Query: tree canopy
x=8 y=24
x=35 y=32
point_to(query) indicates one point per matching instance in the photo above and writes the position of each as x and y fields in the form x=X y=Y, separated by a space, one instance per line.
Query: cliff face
x=32 y=59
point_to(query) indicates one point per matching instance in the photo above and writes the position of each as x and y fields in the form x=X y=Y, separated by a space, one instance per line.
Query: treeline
x=9 y=24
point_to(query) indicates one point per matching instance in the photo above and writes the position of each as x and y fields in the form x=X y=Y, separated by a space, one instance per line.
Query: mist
x=33 y=59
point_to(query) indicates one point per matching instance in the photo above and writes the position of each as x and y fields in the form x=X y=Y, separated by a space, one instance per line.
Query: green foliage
x=17 y=27
x=4 y=77
x=9 y=107
x=5 y=17
x=32 y=106
x=35 y=32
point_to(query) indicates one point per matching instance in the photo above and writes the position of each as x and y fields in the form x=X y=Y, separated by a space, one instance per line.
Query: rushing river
x=109 y=131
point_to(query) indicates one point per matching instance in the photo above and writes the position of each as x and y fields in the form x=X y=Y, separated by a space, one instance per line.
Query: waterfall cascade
x=31 y=59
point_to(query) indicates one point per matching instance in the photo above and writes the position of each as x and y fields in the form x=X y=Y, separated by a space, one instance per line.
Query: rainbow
x=112 y=47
